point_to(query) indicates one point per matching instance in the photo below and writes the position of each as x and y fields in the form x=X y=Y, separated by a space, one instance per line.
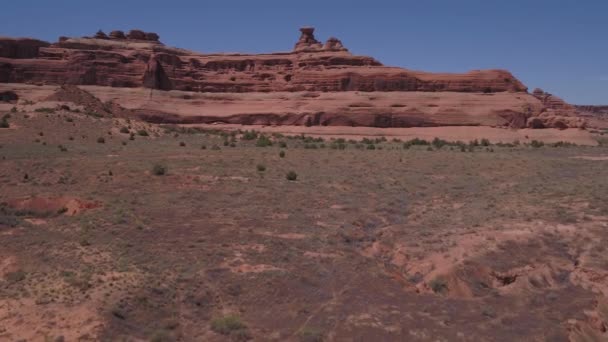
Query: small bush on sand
x=438 y=285
x=291 y=176
x=101 y=140
x=537 y=144
x=282 y=154
x=261 y=168
x=263 y=141
x=124 y=130
x=159 y=170
x=142 y=132
x=228 y=325
x=182 y=144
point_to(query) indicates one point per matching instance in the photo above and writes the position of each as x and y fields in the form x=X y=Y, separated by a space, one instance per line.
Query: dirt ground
x=177 y=234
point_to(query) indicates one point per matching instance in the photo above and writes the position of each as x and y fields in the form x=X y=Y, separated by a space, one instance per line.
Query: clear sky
x=558 y=45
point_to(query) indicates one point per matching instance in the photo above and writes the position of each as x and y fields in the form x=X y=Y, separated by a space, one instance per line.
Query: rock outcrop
x=139 y=60
x=556 y=113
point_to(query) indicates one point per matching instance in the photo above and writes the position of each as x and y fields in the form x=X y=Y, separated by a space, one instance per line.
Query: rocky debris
x=307 y=41
x=136 y=35
x=90 y=103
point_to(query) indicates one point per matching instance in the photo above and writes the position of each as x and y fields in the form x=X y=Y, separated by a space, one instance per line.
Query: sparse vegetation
x=263 y=141
x=142 y=133
x=438 y=285
x=261 y=168
x=291 y=176
x=228 y=325
x=159 y=170
x=101 y=140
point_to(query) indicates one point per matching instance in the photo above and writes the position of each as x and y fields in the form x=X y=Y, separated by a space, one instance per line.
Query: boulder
x=100 y=35
x=136 y=35
x=117 y=34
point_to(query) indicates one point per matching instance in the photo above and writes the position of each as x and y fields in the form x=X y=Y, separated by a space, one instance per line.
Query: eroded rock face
x=556 y=113
x=139 y=60
x=312 y=67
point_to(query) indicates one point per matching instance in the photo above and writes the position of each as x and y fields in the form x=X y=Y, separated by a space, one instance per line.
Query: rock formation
x=307 y=41
x=138 y=59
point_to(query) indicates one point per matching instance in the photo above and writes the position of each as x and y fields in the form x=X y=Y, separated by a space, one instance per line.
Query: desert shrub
x=14 y=110
x=203 y=147
x=227 y=325
x=143 y=133
x=439 y=143
x=261 y=168
x=310 y=146
x=182 y=144
x=45 y=110
x=263 y=141
x=68 y=119
x=310 y=335
x=563 y=144
x=226 y=143
x=291 y=176
x=282 y=144
x=371 y=147
x=474 y=143
x=63 y=148
x=159 y=170
x=215 y=148
x=282 y=154
x=249 y=135
x=124 y=130
x=438 y=285
x=537 y=144
x=485 y=142
x=101 y=140
x=4 y=123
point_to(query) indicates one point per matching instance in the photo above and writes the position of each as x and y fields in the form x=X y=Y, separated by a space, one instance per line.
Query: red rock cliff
x=138 y=59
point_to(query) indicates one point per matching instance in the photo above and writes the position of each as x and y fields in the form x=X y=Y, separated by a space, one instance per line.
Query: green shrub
x=371 y=147
x=249 y=135
x=485 y=142
x=310 y=335
x=227 y=325
x=537 y=144
x=263 y=141
x=291 y=176
x=439 y=143
x=124 y=130
x=159 y=170
x=45 y=110
x=142 y=132
x=438 y=285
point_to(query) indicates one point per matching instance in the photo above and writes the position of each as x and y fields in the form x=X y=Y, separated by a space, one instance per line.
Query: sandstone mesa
x=354 y=90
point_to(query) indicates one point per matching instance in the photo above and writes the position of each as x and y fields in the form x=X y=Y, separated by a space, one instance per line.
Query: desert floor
x=384 y=243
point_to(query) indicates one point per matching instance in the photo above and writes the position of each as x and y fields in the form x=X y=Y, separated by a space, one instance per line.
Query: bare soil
x=496 y=243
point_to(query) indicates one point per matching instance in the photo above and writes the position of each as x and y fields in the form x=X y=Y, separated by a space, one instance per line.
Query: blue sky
x=560 y=45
